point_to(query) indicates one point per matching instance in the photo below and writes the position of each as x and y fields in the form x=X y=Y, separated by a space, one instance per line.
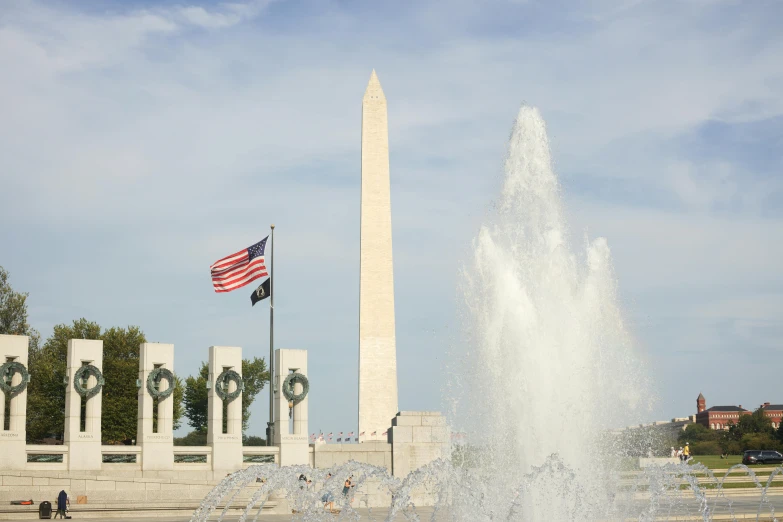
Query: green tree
x=779 y=432
x=13 y=321
x=762 y=423
x=13 y=311
x=253 y=440
x=254 y=374
x=46 y=391
x=694 y=433
x=194 y=438
x=706 y=448
x=46 y=396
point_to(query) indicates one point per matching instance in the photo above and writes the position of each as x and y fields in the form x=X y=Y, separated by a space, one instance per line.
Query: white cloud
x=184 y=132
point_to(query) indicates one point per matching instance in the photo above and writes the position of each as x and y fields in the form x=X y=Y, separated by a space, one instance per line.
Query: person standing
x=328 y=498
x=63 y=503
x=347 y=488
x=686 y=453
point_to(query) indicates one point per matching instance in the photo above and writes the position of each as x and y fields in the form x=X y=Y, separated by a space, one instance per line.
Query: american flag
x=350 y=434
x=239 y=269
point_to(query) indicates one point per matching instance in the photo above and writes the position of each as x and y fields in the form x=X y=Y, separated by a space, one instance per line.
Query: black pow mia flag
x=262 y=292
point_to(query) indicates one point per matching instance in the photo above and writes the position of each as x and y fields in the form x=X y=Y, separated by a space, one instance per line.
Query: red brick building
x=718 y=417
x=774 y=412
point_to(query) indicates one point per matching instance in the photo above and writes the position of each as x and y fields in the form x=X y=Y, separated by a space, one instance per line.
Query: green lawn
x=730 y=485
x=715 y=462
x=734 y=485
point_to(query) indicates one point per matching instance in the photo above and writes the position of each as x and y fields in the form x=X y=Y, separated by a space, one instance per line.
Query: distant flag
x=263 y=291
x=373 y=433
x=339 y=439
x=240 y=268
x=361 y=434
x=385 y=432
x=340 y=434
x=348 y=439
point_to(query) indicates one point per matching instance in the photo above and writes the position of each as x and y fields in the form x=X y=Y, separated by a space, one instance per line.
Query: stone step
x=117 y=510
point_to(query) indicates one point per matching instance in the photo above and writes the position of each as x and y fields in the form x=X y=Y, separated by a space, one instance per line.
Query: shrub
x=705 y=448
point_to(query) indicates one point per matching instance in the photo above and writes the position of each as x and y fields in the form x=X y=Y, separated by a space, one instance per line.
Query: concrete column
x=157 y=447
x=84 y=447
x=13 y=455
x=226 y=447
x=418 y=438
x=291 y=433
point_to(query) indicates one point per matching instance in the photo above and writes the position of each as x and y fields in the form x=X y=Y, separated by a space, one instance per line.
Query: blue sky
x=140 y=142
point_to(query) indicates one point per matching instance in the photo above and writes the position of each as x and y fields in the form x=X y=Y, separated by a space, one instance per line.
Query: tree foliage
x=254 y=374
x=253 y=440
x=46 y=395
x=194 y=438
x=13 y=319
x=13 y=311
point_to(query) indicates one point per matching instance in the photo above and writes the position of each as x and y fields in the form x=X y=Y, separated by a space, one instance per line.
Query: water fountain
x=548 y=367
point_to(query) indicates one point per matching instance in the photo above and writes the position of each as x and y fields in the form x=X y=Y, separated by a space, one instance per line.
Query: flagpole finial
x=273 y=226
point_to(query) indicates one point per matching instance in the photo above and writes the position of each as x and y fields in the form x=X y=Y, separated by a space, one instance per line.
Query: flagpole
x=270 y=427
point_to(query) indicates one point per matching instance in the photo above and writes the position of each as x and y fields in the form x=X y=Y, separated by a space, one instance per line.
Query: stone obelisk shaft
x=377 y=340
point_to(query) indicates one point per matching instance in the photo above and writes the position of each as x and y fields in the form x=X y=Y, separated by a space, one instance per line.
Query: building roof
x=700 y=397
x=774 y=407
x=726 y=408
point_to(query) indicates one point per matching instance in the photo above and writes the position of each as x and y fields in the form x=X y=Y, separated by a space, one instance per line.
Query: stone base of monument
x=112 y=495
x=125 y=490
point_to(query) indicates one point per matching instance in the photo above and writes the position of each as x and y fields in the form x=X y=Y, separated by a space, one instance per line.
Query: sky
x=141 y=141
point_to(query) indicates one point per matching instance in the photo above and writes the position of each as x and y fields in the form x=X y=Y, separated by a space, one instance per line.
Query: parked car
x=762 y=457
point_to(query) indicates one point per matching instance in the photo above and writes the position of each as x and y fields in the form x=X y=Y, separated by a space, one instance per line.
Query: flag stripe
x=225 y=283
x=223 y=287
x=227 y=268
x=239 y=270
x=242 y=270
x=221 y=263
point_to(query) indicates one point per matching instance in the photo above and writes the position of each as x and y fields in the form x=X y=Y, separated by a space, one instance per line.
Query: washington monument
x=377 y=340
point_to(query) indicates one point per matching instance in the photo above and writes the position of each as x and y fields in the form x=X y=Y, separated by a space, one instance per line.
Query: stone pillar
x=13 y=455
x=84 y=447
x=157 y=447
x=226 y=447
x=418 y=438
x=290 y=430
